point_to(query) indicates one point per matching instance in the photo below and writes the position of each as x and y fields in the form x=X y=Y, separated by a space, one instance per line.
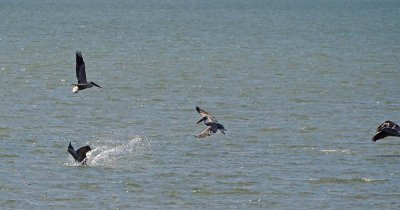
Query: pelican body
x=210 y=121
x=81 y=75
x=387 y=128
x=80 y=154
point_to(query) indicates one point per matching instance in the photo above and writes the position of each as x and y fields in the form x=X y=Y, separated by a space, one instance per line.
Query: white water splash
x=116 y=149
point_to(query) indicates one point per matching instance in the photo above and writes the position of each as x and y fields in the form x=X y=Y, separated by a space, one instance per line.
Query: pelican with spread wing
x=210 y=121
x=81 y=75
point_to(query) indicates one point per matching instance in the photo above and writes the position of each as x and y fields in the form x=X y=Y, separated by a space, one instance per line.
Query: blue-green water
x=299 y=85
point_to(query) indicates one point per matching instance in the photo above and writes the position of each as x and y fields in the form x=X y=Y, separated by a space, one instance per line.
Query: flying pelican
x=80 y=154
x=211 y=122
x=81 y=75
x=387 y=128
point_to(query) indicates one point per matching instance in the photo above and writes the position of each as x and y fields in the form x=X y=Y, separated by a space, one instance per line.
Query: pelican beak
x=95 y=84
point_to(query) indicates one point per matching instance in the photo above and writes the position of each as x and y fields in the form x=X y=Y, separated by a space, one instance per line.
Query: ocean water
x=300 y=86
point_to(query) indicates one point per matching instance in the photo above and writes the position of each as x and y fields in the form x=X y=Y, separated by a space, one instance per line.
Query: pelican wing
x=385 y=132
x=80 y=68
x=205 y=133
x=388 y=124
x=71 y=151
x=203 y=113
x=208 y=132
x=70 y=147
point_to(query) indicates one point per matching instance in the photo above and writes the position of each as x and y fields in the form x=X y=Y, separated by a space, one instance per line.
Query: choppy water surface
x=300 y=87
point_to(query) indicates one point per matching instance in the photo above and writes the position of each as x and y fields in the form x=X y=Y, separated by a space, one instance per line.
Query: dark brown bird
x=388 y=128
x=81 y=75
x=211 y=122
x=80 y=154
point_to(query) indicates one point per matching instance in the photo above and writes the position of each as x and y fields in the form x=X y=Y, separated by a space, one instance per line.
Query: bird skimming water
x=211 y=122
x=387 y=128
x=81 y=75
x=80 y=154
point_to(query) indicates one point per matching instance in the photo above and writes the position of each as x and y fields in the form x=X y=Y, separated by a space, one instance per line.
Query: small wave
x=308 y=129
x=389 y=156
x=337 y=151
x=345 y=180
x=270 y=129
x=233 y=191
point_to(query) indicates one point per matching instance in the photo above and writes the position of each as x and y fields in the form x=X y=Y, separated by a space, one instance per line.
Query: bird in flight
x=81 y=75
x=387 y=128
x=211 y=122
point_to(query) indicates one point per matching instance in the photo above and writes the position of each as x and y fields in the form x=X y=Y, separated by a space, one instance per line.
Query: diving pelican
x=211 y=122
x=80 y=154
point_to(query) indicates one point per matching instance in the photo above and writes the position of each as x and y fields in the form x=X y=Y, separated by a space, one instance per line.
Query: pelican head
x=75 y=89
x=221 y=128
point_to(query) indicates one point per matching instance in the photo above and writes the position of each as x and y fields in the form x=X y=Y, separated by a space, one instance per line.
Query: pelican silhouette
x=387 y=128
x=80 y=154
x=81 y=75
x=210 y=121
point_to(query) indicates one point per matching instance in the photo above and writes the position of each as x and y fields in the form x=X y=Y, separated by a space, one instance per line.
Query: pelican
x=81 y=75
x=387 y=128
x=80 y=154
x=210 y=121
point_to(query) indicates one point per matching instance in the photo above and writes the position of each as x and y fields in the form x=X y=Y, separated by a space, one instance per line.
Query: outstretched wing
x=205 y=133
x=80 y=68
x=70 y=147
x=81 y=152
x=203 y=113
x=71 y=151
x=385 y=132
x=208 y=132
